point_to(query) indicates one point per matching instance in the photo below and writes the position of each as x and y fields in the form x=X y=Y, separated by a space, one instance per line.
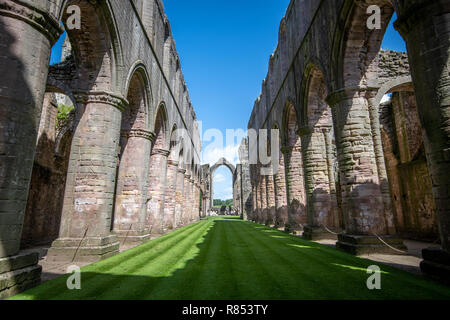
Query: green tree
x=219 y=203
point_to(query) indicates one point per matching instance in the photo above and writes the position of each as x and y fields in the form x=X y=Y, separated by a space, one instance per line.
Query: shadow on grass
x=221 y=259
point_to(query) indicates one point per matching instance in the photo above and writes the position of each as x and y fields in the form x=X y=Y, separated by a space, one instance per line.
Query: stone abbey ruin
x=124 y=166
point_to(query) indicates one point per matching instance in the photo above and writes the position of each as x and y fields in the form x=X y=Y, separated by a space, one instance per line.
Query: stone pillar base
x=359 y=245
x=295 y=230
x=436 y=264
x=83 y=250
x=319 y=233
x=132 y=237
x=19 y=273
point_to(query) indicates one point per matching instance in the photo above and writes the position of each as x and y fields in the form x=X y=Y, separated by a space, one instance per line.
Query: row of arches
x=124 y=163
x=307 y=158
x=343 y=166
x=149 y=164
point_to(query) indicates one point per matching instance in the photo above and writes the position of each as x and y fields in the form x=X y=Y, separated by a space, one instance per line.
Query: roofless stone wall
x=323 y=88
x=124 y=176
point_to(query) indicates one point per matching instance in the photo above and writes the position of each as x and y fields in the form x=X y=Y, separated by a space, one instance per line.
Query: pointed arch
x=223 y=162
x=161 y=128
x=355 y=47
x=290 y=125
x=140 y=69
x=96 y=46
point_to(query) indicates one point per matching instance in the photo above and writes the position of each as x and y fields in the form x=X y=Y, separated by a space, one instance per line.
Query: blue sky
x=224 y=48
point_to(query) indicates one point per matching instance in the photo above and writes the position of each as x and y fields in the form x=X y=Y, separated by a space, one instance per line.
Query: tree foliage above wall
x=220 y=203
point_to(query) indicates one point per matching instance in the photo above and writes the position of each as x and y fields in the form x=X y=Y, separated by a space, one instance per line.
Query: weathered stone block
x=83 y=250
x=436 y=264
x=318 y=233
x=18 y=273
x=358 y=245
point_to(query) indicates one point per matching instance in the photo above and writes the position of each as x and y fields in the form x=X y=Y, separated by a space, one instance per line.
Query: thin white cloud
x=214 y=154
x=219 y=178
x=386 y=98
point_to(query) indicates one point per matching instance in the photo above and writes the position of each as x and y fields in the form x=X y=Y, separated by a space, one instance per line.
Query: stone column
x=186 y=209
x=258 y=214
x=170 y=199
x=199 y=204
x=205 y=205
x=281 y=195
x=263 y=200
x=425 y=26
x=321 y=195
x=27 y=36
x=295 y=188
x=86 y=222
x=131 y=190
x=332 y=172
x=156 y=191
x=179 y=198
x=191 y=200
x=271 y=207
x=362 y=199
x=380 y=161
x=196 y=202
x=255 y=202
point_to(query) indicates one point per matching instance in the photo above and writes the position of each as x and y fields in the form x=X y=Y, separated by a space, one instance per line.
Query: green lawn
x=226 y=258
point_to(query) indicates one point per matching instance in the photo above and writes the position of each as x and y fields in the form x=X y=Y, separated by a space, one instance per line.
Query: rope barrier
x=79 y=245
x=325 y=227
x=379 y=238
x=395 y=249
x=126 y=236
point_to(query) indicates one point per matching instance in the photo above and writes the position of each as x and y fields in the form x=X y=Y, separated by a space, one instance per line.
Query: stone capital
x=37 y=18
x=102 y=97
x=172 y=163
x=366 y=3
x=139 y=133
x=187 y=176
x=162 y=152
x=334 y=98
x=411 y=14
x=182 y=171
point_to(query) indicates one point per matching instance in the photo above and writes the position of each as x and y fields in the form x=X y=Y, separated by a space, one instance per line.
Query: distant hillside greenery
x=220 y=203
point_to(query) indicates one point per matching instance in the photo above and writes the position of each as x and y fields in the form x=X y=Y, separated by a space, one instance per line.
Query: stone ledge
x=16 y=281
x=22 y=260
x=134 y=237
x=436 y=254
x=358 y=245
x=293 y=229
x=86 y=242
x=318 y=233
x=63 y=250
x=436 y=264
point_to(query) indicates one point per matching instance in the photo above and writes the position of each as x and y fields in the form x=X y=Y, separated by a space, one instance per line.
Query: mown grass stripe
x=146 y=277
x=339 y=271
x=232 y=259
x=148 y=251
